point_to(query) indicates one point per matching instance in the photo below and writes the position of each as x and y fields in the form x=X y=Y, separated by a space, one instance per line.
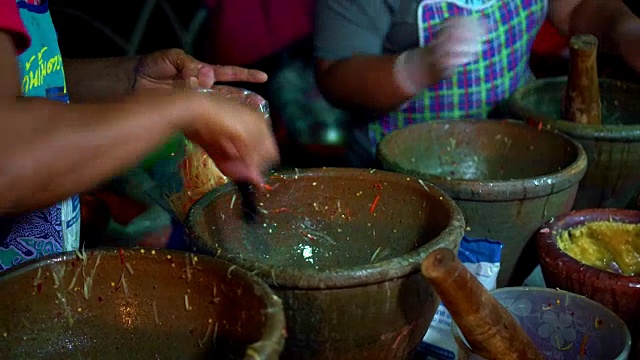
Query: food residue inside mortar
x=606 y=245
x=324 y=230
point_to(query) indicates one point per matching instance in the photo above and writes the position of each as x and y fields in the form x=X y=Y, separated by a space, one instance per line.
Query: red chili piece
x=121 y=255
x=372 y=209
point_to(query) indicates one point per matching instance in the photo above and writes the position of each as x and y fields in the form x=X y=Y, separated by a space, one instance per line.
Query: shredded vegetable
x=88 y=281
x=215 y=336
x=36 y=281
x=199 y=175
x=129 y=269
x=75 y=278
x=206 y=334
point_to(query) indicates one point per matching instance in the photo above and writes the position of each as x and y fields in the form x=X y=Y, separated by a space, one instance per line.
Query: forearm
x=384 y=82
x=363 y=83
x=605 y=19
x=51 y=151
x=91 y=80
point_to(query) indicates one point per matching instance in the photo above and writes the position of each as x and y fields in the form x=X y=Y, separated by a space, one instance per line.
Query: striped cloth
x=478 y=87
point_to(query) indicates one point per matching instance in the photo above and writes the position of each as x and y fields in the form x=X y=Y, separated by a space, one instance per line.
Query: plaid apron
x=478 y=87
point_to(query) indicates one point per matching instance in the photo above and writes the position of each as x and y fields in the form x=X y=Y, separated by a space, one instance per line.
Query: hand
x=457 y=42
x=173 y=68
x=236 y=136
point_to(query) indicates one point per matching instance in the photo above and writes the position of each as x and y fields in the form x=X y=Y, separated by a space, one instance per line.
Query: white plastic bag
x=482 y=258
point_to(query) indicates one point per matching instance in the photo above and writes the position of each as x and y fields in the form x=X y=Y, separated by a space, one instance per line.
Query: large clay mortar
x=137 y=304
x=507 y=177
x=342 y=248
x=613 y=148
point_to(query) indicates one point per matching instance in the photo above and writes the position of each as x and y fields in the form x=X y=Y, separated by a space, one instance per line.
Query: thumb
x=186 y=67
x=205 y=76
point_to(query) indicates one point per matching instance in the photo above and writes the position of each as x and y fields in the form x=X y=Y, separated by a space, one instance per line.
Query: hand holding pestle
x=488 y=327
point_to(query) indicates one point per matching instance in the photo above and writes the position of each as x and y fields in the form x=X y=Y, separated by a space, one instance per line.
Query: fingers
x=178 y=66
x=458 y=42
x=258 y=153
x=185 y=65
x=238 y=171
x=238 y=139
x=194 y=73
x=207 y=75
x=236 y=73
x=252 y=161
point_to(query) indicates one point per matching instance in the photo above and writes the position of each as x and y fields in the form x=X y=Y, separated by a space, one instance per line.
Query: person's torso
x=475 y=88
x=57 y=228
x=403 y=31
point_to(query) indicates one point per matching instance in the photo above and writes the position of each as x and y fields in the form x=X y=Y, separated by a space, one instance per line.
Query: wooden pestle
x=488 y=327
x=582 y=96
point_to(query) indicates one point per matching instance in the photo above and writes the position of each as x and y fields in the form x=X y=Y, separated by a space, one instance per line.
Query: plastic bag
x=181 y=172
x=482 y=258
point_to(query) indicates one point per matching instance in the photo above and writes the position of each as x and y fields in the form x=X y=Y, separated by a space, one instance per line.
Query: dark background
x=120 y=27
x=81 y=26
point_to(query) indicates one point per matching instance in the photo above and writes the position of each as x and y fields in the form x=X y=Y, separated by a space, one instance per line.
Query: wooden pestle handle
x=582 y=102
x=488 y=327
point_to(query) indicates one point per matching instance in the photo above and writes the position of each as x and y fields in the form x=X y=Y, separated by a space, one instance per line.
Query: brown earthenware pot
x=342 y=248
x=507 y=177
x=613 y=149
x=619 y=293
x=137 y=304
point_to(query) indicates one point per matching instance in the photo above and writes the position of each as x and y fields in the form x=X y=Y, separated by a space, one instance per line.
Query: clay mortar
x=508 y=178
x=342 y=248
x=170 y=305
x=613 y=149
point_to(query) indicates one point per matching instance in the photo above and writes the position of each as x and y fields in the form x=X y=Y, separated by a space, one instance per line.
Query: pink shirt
x=243 y=32
x=11 y=23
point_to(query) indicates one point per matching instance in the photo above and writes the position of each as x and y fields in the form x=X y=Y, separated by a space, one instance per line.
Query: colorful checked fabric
x=475 y=89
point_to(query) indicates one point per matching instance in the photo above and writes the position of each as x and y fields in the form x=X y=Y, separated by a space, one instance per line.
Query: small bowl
x=561 y=324
x=619 y=293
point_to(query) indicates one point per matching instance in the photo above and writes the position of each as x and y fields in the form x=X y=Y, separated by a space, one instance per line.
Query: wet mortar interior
x=149 y=304
x=325 y=222
x=618 y=107
x=486 y=151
